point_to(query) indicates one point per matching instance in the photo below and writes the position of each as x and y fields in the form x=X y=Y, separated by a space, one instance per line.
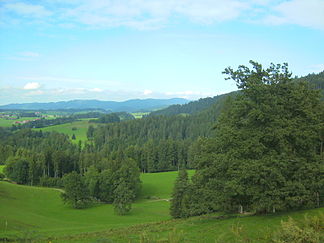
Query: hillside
x=39 y=214
x=192 y=107
x=36 y=211
x=136 y=105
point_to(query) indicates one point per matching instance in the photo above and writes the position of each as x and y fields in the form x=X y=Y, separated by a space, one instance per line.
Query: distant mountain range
x=136 y=105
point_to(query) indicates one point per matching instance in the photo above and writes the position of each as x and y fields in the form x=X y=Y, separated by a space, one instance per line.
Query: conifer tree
x=180 y=190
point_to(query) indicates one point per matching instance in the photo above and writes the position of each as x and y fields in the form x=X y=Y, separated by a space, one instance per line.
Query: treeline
x=113 y=117
x=266 y=154
x=157 y=143
x=43 y=122
x=87 y=176
x=190 y=108
x=317 y=80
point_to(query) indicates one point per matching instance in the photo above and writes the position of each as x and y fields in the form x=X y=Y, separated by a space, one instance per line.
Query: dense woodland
x=271 y=128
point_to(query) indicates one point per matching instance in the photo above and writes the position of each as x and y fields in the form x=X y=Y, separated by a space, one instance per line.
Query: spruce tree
x=179 y=196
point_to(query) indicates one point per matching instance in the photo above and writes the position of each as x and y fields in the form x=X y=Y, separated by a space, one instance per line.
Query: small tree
x=17 y=170
x=76 y=192
x=73 y=136
x=90 y=132
x=123 y=199
x=177 y=208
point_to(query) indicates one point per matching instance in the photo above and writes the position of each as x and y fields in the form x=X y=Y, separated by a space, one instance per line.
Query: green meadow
x=39 y=214
x=139 y=115
x=9 y=123
x=80 y=129
x=26 y=209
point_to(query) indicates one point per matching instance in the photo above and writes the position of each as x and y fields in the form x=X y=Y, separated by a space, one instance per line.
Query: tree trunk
x=241 y=209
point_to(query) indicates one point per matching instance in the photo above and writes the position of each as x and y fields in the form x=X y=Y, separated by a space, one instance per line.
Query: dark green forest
x=257 y=149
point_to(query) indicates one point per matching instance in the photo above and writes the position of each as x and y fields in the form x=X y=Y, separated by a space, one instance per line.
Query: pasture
x=139 y=115
x=78 y=128
x=38 y=213
x=8 y=123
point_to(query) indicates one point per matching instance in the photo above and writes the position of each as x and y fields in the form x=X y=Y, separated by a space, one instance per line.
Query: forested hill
x=190 y=108
x=136 y=105
x=315 y=79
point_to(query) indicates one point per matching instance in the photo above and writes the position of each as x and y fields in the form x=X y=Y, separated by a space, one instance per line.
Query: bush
x=2 y=176
x=310 y=230
x=50 y=182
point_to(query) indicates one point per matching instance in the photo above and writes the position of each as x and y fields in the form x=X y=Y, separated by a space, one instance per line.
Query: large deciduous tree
x=266 y=153
x=75 y=191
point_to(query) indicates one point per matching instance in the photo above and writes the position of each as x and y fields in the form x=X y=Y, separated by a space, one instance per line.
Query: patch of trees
x=93 y=114
x=118 y=184
x=108 y=118
x=267 y=151
x=40 y=123
x=190 y=108
x=114 y=117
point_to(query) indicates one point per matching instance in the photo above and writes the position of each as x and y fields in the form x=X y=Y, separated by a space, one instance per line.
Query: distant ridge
x=135 y=105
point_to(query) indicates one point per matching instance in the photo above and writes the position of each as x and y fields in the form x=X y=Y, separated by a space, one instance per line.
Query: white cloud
x=147 y=92
x=65 y=80
x=96 y=90
x=35 y=92
x=307 y=13
x=152 y=14
x=23 y=9
x=317 y=68
x=24 y=56
x=139 y=14
x=32 y=85
x=29 y=54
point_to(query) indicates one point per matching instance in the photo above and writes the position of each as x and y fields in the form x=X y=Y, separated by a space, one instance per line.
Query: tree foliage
x=265 y=155
x=75 y=191
x=180 y=195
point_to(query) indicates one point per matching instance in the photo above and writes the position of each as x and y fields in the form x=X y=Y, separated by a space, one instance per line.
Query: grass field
x=40 y=210
x=8 y=123
x=80 y=126
x=139 y=115
x=38 y=213
x=1 y=168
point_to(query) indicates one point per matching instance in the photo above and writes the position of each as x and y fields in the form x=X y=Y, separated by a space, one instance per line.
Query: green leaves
x=265 y=155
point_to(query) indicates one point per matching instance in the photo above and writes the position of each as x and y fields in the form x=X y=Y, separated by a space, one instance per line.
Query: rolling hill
x=136 y=105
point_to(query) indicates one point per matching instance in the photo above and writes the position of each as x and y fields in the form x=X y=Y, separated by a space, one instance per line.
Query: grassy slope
x=139 y=115
x=39 y=212
x=27 y=209
x=8 y=123
x=80 y=133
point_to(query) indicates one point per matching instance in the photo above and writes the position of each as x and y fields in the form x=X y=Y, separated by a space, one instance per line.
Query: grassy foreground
x=1 y=168
x=38 y=213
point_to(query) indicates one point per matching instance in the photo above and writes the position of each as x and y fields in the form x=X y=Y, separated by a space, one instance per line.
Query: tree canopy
x=265 y=155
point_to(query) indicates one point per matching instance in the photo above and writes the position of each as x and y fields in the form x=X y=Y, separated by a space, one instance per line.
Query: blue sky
x=53 y=50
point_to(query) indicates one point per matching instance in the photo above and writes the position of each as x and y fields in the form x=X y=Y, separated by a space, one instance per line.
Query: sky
x=53 y=50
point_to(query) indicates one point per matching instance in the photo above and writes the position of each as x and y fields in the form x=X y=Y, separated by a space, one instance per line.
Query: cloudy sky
x=53 y=50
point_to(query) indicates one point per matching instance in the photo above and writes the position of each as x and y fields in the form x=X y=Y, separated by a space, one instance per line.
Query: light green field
x=38 y=213
x=27 y=209
x=9 y=123
x=1 y=168
x=139 y=115
x=80 y=132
